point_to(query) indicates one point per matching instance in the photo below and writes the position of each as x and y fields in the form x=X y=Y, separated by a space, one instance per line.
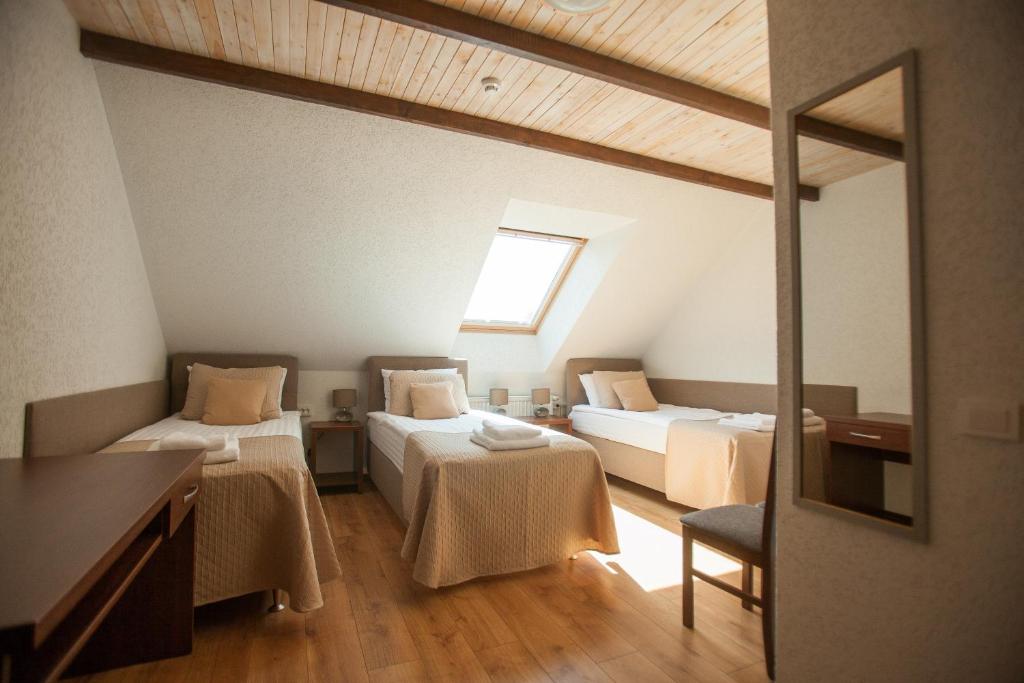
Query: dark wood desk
x=98 y=561
x=859 y=447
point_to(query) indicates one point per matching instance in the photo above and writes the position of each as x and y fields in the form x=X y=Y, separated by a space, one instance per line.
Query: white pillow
x=386 y=374
x=591 y=390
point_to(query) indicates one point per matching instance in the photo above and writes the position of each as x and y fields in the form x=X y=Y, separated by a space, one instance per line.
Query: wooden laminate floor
x=598 y=618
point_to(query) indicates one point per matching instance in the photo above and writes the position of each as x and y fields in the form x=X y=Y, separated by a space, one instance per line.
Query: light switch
x=989 y=418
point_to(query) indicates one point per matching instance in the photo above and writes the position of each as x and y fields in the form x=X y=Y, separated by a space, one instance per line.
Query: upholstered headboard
x=374 y=364
x=823 y=399
x=181 y=361
x=86 y=423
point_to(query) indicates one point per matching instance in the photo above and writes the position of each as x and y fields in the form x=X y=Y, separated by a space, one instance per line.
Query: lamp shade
x=344 y=398
x=540 y=397
x=499 y=397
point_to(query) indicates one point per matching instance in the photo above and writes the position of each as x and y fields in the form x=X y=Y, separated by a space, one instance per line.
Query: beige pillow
x=201 y=375
x=432 y=401
x=635 y=394
x=401 y=380
x=233 y=401
x=603 y=380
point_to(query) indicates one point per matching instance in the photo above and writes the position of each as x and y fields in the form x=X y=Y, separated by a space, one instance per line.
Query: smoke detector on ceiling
x=491 y=84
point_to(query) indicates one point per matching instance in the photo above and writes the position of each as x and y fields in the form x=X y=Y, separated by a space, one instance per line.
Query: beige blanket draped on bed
x=708 y=464
x=474 y=512
x=260 y=525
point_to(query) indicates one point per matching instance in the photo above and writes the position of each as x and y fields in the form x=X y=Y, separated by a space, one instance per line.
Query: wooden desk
x=334 y=479
x=98 y=561
x=859 y=447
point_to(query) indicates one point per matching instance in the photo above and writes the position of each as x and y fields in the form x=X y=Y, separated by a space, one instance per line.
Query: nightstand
x=552 y=421
x=333 y=479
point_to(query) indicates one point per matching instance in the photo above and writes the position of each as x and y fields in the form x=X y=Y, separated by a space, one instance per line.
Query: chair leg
x=687 y=578
x=748 y=585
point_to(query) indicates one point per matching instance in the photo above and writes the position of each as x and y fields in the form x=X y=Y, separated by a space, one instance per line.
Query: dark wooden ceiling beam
x=494 y=35
x=130 y=53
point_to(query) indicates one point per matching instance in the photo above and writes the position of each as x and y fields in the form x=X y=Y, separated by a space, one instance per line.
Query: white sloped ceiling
x=274 y=225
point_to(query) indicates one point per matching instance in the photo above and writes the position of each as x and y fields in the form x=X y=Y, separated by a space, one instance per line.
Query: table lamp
x=344 y=400
x=540 y=399
x=499 y=398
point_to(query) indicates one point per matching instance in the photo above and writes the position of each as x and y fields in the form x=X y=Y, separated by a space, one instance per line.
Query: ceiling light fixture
x=578 y=6
x=491 y=84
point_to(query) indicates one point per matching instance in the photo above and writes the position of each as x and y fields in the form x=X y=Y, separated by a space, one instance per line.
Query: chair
x=739 y=531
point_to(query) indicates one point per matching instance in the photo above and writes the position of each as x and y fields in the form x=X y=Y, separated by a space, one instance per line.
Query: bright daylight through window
x=519 y=280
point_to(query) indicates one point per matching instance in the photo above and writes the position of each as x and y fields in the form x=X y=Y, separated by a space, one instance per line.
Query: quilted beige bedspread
x=708 y=464
x=260 y=525
x=474 y=512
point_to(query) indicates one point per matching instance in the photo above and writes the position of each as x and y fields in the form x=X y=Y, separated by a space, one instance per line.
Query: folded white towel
x=761 y=423
x=509 y=432
x=490 y=444
x=219 y=448
x=229 y=453
x=181 y=441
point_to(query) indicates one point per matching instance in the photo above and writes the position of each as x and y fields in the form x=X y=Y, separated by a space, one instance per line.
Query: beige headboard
x=374 y=364
x=179 y=372
x=89 y=422
x=823 y=399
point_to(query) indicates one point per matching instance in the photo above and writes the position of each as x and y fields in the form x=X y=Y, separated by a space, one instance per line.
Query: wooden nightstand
x=333 y=479
x=552 y=421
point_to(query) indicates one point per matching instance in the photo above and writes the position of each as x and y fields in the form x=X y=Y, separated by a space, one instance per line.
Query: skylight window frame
x=549 y=298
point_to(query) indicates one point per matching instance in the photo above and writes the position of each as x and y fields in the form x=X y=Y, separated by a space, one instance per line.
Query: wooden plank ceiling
x=719 y=44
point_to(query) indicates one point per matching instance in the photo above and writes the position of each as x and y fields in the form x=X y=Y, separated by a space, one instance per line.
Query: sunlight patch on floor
x=653 y=557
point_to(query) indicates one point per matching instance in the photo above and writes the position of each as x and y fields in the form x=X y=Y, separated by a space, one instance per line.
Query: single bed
x=684 y=452
x=471 y=512
x=259 y=523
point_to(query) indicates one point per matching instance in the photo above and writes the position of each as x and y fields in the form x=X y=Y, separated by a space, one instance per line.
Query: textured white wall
x=856 y=604
x=274 y=225
x=724 y=326
x=76 y=312
x=856 y=289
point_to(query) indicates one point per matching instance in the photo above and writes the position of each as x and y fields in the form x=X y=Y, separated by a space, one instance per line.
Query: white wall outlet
x=304 y=412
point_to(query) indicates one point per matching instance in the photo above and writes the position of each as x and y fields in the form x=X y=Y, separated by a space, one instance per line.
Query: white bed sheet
x=388 y=432
x=289 y=424
x=647 y=430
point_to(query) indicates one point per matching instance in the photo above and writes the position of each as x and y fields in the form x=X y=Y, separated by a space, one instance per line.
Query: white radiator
x=518 y=406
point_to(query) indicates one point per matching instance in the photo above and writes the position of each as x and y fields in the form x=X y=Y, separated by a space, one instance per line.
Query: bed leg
x=573 y=556
x=277 y=605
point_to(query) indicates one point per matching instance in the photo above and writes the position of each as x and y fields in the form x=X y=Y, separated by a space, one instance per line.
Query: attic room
x=511 y=340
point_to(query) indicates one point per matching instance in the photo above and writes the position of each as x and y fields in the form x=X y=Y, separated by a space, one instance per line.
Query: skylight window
x=519 y=281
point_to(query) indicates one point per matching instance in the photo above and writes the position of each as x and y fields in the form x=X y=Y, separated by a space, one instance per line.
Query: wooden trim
x=130 y=53
x=549 y=298
x=494 y=35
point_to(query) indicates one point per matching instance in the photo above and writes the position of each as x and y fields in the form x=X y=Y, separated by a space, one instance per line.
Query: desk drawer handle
x=874 y=437
x=192 y=491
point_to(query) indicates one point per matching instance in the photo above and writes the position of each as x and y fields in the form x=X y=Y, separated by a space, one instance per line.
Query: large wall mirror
x=857 y=282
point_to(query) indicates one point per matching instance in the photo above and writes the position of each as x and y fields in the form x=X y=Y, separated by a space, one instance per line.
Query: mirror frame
x=919 y=454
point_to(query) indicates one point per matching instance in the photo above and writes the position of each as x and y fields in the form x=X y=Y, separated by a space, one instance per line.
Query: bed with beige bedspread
x=259 y=525
x=473 y=512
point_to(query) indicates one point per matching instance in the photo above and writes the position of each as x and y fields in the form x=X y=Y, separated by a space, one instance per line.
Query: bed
x=259 y=525
x=471 y=512
x=688 y=456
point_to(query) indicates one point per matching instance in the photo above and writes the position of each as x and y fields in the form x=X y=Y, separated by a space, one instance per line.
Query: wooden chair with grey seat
x=744 y=532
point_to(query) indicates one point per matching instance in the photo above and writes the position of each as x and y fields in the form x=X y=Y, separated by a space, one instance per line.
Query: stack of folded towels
x=766 y=423
x=495 y=436
x=219 y=449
